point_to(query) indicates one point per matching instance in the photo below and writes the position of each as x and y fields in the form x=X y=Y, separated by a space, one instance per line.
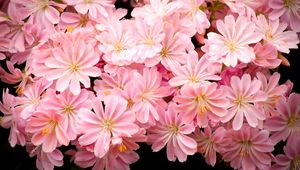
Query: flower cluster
x=102 y=79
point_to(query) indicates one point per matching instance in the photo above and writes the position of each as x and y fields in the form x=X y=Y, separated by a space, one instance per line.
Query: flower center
x=34 y=100
x=174 y=129
x=289 y=3
x=231 y=45
x=42 y=4
x=245 y=147
x=293 y=122
x=269 y=34
x=122 y=147
x=193 y=79
x=201 y=100
x=74 y=67
x=119 y=47
x=239 y=101
x=68 y=109
x=295 y=163
x=47 y=130
x=164 y=52
x=108 y=124
x=130 y=103
x=83 y=20
x=88 y=1
x=149 y=41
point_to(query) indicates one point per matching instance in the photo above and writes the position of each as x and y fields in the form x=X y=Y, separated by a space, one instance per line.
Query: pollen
x=88 y=1
x=42 y=4
x=174 y=129
x=119 y=47
x=231 y=45
x=83 y=20
x=164 y=52
x=122 y=147
x=149 y=41
x=202 y=109
x=246 y=146
x=68 y=109
x=293 y=122
x=130 y=103
x=193 y=79
x=239 y=101
x=74 y=67
x=108 y=124
x=45 y=131
x=200 y=98
x=295 y=163
x=19 y=90
x=289 y=3
x=70 y=28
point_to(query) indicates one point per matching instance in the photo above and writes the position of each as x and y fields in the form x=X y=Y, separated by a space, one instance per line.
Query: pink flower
x=233 y=43
x=243 y=94
x=274 y=33
x=48 y=130
x=102 y=127
x=110 y=82
x=46 y=160
x=6 y=107
x=209 y=142
x=194 y=72
x=149 y=38
x=12 y=120
x=244 y=7
x=172 y=131
x=286 y=125
x=288 y=11
x=31 y=97
x=273 y=90
x=173 y=50
x=111 y=161
x=195 y=16
x=149 y=93
x=291 y=159
x=67 y=105
x=228 y=72
x=156 y=10
x=204 y=103
x=95 y=8
x=42 y=12
x=69 y=20
x=14 y=75
x=248 y=148
x=14 y=30
x=117 y=44
x=70 y=65
x=266 y=56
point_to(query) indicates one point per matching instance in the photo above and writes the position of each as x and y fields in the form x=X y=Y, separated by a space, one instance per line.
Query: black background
x=17 y=158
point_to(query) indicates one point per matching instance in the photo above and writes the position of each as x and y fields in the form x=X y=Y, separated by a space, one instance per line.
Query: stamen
x=164 y=52
x=122 y=147
x=68 y=109
x=174 y=129
x=231 y=45
x=295 y=163
x=108 y=124
x=119 y=47
x=74 y=67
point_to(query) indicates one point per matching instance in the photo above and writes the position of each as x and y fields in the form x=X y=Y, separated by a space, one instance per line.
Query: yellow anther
x=45 y=131
x=164 y=52
x=70 y=28
x=122 y=147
